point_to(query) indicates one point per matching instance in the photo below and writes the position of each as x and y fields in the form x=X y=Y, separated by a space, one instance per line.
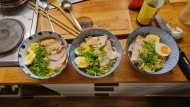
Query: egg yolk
x=165 y=50
x=29 y=57
x=85 y=47
x=83 y=63
x=153 y=38
x=33 y=47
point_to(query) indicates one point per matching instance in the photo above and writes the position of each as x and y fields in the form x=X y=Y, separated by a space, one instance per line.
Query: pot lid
x=11 y=3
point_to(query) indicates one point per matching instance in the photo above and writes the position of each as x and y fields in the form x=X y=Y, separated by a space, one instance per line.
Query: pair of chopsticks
x=40 y=10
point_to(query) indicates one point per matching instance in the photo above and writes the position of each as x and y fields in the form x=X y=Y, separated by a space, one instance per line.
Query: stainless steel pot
x=5 y=1
x=11 y=3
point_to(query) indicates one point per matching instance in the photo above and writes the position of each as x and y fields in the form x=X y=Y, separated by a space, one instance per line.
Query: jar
x=148 y=10
x=184 y=15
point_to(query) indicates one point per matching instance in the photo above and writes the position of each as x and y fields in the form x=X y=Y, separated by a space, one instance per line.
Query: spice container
x=148 y=10
x=184 y=15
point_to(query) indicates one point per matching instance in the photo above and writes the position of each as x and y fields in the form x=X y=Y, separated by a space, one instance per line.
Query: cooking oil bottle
x=148 y=10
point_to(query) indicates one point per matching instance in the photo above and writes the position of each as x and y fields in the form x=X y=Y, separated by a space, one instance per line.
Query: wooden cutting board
x=173 y=1
x=112 y=15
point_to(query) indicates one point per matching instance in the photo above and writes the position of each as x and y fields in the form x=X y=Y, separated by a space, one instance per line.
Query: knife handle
x=184 y=65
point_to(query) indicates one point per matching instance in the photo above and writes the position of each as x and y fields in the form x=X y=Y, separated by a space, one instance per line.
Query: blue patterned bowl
x=33 y=39
x=165 y=38
x=94 y=32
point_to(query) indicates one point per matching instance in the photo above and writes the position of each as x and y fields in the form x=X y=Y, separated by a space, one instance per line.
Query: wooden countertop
x=124 y=73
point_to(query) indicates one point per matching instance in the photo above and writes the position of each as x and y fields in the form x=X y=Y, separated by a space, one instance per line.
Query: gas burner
x=11 y=35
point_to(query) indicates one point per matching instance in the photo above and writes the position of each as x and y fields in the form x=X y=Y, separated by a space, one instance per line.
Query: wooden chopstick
x=33 y=5
x=56 y=21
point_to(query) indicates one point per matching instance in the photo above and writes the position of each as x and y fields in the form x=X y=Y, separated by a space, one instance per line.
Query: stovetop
x=28 y=18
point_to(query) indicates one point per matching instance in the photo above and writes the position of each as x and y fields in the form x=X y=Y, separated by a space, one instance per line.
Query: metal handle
x=76 y=22
x=51 y=25
x=184 y=64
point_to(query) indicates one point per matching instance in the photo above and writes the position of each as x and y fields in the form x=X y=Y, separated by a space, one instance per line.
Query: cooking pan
x=11 y=3
x=2 y=1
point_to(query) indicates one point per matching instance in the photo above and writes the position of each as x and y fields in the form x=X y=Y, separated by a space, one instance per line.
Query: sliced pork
x=57 y=56
x=110 y=54
x=131 y=47
x=103 y=62
x=91 y=41
x=53 y=52
x=137 y=47
x=51 y=44
x=108 y=46
x=47 y=42
x=57 y=44
x=58 y=63
x=101 y=40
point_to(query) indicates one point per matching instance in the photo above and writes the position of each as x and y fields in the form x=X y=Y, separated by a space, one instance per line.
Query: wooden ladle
x=56 y=4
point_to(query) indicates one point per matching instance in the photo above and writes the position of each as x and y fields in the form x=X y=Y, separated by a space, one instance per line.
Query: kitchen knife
x=183 y=62
x=75 y=1
x=60 y=1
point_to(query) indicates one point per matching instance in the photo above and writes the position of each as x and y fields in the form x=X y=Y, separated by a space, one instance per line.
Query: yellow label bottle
x=148 y=10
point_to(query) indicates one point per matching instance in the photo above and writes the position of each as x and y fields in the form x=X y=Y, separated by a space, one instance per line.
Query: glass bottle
x=148 y=10
x=184 y=15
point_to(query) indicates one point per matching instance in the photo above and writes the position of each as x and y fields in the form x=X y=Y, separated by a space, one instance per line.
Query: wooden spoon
x=56 y=4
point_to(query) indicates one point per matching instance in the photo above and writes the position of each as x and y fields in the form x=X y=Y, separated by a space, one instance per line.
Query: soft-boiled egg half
x=81 y=62
x=162 y=49
x=85 y=48
x=77 y=51
x=33 y=47
x=29 y=58
x=153 y=38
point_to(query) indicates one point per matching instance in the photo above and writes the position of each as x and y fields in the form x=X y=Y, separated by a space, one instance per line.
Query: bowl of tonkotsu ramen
x=95 y=53
x=43 y=55
x=152 y=50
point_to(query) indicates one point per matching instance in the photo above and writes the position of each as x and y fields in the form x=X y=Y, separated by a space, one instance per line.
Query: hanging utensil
x=60 y=1
x=45 y=5
x=56 y=4
x=66 y=5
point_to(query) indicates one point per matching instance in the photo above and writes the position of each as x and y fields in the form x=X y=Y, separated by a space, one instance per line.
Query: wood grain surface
x=125 y=73
x=174 y=1
x=112 y=15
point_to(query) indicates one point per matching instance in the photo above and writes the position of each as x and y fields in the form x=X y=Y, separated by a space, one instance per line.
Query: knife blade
x=75 y=1
x=183 y=62
x=60 y=1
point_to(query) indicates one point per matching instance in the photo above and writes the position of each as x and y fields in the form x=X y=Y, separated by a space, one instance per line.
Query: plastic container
x=184 y=15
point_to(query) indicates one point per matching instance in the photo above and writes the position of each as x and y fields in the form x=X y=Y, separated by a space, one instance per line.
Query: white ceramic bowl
x=34 y=39
x=165 y=38
x=94 y=32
